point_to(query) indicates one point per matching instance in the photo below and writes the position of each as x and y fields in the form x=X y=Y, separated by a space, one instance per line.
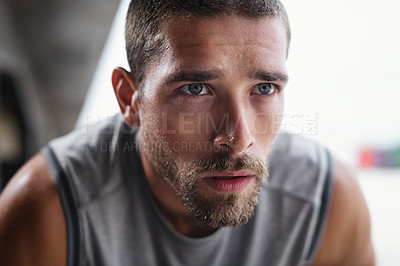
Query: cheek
x=265 y=130
x=185 y=119
x=182 y=126
x=266 y=122
x=176 y=127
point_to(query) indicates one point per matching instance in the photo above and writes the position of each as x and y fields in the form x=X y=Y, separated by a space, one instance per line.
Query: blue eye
x=194 y=89
x=265 y=88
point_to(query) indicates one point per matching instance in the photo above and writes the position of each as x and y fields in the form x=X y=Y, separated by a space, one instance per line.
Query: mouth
x=229 y=182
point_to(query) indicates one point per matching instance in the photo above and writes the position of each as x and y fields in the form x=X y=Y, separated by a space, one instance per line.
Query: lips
x=229 y=182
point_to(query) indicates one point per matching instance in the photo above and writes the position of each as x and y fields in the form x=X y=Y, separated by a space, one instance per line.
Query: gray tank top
x=113 y=220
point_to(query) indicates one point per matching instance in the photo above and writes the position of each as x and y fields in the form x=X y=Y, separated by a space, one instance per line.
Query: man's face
x=210 y=110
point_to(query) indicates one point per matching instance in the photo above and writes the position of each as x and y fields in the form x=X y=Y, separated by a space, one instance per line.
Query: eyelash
x=204 y=86
x=276 y=87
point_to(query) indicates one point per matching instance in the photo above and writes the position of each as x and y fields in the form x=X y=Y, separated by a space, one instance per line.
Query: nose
x=234 y=134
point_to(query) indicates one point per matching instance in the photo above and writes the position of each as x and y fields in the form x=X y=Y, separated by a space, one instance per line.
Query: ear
x=126 y=91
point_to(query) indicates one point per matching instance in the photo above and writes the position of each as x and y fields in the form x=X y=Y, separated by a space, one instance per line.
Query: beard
x=208 y=208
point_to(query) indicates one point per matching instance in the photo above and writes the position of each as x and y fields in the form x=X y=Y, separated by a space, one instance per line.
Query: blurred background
x=49 y=50
x=56 y=59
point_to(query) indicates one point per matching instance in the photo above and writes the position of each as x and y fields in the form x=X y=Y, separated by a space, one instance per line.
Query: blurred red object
x=366 y=158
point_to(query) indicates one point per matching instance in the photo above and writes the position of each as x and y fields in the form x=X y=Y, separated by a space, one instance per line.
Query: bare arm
x=347 y=238
x=32 y=224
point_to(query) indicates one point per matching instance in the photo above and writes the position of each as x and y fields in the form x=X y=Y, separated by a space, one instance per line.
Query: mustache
x=225 y=162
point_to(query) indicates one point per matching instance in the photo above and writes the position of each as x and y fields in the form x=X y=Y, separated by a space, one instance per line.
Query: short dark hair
x=144 y=18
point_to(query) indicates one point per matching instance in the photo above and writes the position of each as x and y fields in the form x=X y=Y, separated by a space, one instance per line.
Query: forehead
x=227 y=44
x=223 y=30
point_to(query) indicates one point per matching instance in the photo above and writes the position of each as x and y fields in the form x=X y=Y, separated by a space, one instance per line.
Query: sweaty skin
x=230 y=59
x=230 y=56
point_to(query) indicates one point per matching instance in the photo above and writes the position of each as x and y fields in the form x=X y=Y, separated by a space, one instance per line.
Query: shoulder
x=32 y=225
x=299 y=166
x=347 y=239
x=299 y=150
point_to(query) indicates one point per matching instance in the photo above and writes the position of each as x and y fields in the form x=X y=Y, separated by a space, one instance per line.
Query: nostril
x=252 y=142
x=223 y=147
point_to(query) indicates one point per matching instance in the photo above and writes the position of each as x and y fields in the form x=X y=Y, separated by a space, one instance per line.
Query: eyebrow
x=206 y=75
x=269 y=76
x=194 y=76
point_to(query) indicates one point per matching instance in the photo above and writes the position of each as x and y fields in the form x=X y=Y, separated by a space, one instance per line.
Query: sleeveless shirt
x=112 y=218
